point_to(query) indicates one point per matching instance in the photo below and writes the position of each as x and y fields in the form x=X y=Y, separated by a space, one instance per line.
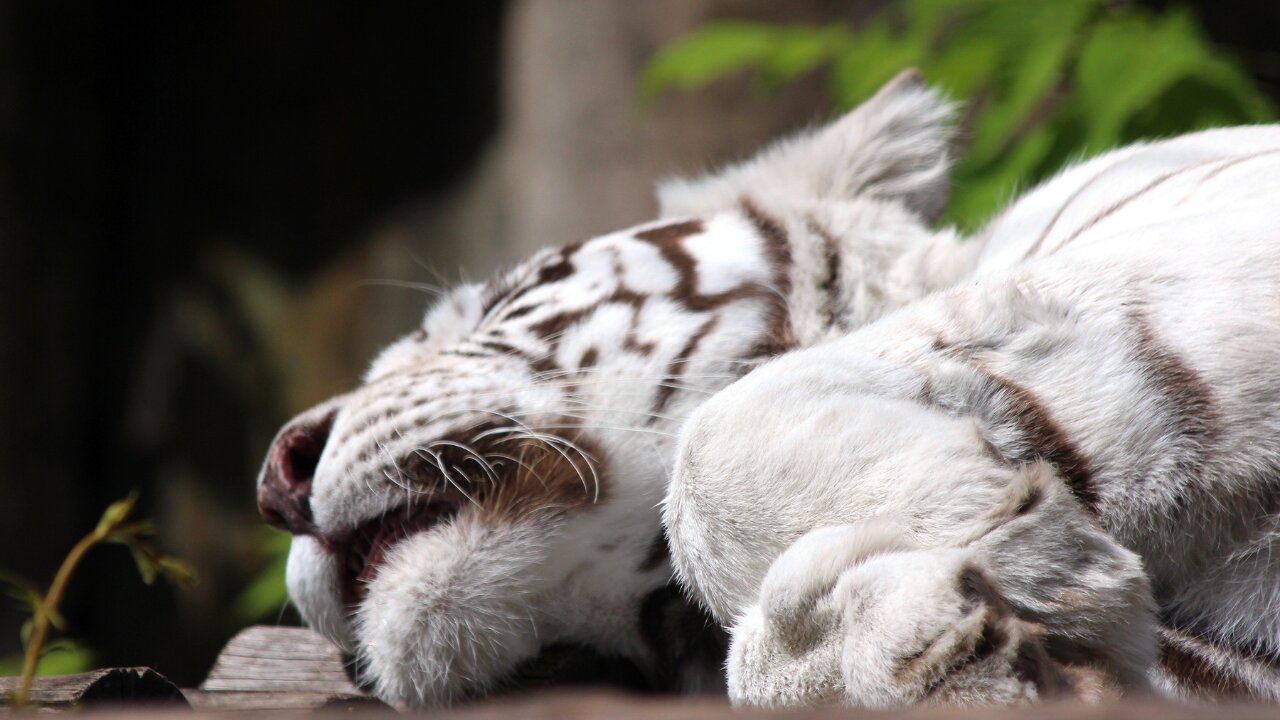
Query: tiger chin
x=482 y=513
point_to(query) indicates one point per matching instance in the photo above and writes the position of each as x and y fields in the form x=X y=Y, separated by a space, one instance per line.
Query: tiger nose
x=284 y=489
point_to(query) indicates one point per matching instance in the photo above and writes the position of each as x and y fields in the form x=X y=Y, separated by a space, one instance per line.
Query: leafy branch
x=1042 y=82
x=112 y=528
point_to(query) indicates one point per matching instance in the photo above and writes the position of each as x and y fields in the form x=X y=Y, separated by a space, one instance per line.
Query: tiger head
x=481 y=511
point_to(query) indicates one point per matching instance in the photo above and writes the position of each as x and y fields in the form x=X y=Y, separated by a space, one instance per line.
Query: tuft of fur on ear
x=892 y=147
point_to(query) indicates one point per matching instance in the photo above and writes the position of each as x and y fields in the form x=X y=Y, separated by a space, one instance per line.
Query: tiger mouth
x=367 y=548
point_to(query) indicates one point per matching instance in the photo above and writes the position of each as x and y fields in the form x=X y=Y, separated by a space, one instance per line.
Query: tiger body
x=1142 y=374
x=492 y=489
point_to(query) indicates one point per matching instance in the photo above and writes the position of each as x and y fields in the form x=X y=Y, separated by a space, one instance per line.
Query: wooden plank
x=280 y=668
x=110 y=685
x=267 y=659
x=225 y=701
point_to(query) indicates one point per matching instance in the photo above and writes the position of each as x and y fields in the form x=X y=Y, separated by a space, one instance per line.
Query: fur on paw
x=853 y=614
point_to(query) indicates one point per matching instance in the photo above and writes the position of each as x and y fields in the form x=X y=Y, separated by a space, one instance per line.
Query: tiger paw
x=850 y=614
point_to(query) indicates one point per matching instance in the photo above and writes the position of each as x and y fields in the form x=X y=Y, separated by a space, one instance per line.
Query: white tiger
x=482 y=512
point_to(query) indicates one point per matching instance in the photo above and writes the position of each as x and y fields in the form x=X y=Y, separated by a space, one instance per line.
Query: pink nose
x=284 y=490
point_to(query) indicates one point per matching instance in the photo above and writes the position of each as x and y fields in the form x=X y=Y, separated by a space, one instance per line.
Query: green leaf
x=799 y=50
x=147 y=565
x=65 y=657
x=116 y=513
x=1127 y=63
x=710 y=53
x=61 y=657
x=177 y=572
x=1027 y=81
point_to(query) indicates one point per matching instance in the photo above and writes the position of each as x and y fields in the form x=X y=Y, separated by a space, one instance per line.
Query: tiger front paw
x=851 y=614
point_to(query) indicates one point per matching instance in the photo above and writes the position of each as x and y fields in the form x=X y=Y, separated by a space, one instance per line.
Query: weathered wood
x=279 y=668
x=137 y=685
x=266 y=701
x=280 y=659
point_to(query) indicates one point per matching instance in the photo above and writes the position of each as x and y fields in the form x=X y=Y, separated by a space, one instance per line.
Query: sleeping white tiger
x=1040 y=448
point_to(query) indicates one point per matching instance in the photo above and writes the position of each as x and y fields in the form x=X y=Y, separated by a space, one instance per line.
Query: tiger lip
x=366 y=549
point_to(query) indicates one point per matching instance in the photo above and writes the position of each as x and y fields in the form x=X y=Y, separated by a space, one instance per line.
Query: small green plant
x=1042 y=82
x=114 y=527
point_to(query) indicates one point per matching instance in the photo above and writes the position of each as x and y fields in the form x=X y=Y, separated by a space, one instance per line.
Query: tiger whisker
x=405 y=284
x=445 y=474
x=477 y=457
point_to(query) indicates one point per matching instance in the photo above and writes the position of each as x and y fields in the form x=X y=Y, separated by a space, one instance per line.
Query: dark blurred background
x=209 y=212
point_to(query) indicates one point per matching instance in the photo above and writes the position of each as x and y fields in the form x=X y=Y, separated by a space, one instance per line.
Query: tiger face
x=482 y=509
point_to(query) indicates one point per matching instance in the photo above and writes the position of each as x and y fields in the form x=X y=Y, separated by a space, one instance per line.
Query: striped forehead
x=655 y=259
x=454 y=393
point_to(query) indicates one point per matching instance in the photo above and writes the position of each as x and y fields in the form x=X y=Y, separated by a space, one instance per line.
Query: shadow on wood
x=134 y=686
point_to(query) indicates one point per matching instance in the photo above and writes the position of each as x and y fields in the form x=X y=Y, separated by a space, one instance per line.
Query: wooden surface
x=281 y=668
x=112 y=685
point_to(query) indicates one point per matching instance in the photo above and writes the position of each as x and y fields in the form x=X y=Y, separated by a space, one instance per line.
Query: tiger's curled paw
x=853 y=614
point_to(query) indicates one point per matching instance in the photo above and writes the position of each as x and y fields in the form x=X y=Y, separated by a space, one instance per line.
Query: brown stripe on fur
x=631 y=343
x=1062 y=209
x=552 y=328
x=1197 y=421
x=781 y=337
x=552 y=272
x=1114 y=207
x=668 y=240
x=672 y=232
x=1189 y=659
x=830 y=285
x=1210 y=667
x=519 y=312
x=1160 y=181
x=674 y=368
x=1045 y=439
x=505 y=349
x=555 y=272
x=1041 y=437
x=1236 y=161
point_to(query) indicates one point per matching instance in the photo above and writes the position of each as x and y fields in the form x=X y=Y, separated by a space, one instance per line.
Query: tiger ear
x=891 y=147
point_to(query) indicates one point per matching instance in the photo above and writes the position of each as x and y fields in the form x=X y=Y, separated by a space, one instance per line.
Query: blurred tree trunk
x=584 y=152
